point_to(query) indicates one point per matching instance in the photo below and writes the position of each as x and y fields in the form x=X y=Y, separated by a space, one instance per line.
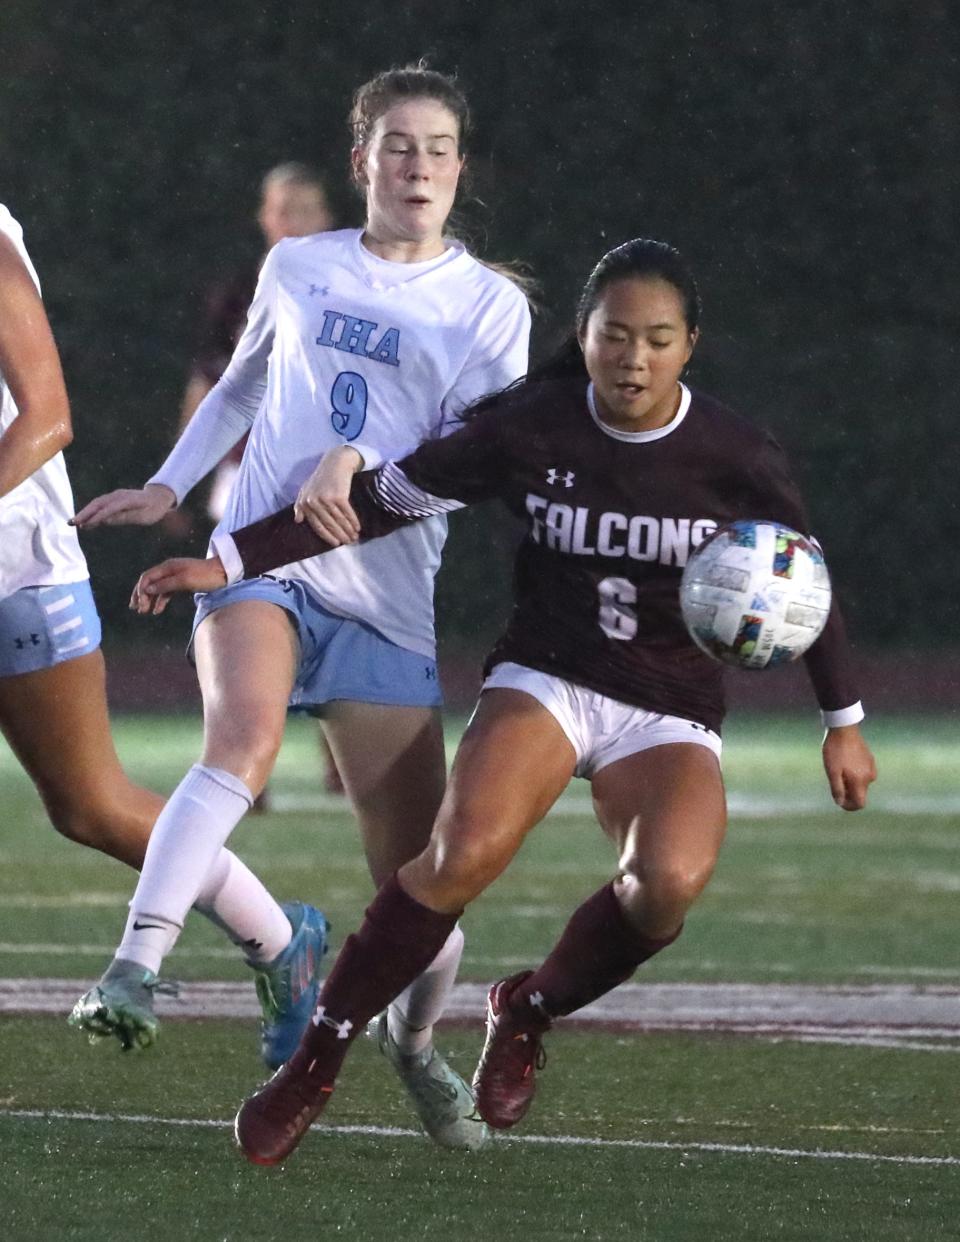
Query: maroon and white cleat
x=505 y=1080
x=273 y=1121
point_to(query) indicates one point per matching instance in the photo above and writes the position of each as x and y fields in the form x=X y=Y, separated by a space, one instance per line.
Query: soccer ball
x=755 y=594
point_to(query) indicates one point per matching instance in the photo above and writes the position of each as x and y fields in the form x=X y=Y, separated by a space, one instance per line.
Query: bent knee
x=247 y=747
x=670 y=886
x=102 y=825
x=455 y=870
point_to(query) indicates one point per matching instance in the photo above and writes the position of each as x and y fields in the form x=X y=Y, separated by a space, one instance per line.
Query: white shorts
x=601 y=730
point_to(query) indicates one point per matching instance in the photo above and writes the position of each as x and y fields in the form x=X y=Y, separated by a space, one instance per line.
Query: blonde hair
x=292 y=172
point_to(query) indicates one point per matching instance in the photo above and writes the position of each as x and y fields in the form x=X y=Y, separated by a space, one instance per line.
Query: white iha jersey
x=343 y=347
x=37 y=547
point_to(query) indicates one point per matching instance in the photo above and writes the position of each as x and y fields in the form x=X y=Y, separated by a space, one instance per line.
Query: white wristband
x=226 y=549
x=843 y=716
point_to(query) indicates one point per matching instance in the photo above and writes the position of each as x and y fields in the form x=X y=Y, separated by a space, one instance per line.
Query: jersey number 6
x=617 y=617
x=348 y=396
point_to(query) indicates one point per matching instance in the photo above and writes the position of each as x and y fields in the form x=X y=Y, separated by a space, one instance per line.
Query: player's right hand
x=128 y=506
x=181 y=573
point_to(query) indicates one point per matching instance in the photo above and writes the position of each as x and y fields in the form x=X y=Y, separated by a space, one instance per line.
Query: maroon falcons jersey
x=611 y=518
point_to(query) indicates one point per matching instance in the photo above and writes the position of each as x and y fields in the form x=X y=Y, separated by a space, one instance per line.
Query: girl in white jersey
x=53 y=703
x=379 y=338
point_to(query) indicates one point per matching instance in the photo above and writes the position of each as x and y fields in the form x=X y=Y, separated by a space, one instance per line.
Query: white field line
x=909 y=1017
x=105 y=951
x=741 y=805
x=504 y=963
x=539 y=1140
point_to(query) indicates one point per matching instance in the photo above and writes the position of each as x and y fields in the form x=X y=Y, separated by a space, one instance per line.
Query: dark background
x=804 y=158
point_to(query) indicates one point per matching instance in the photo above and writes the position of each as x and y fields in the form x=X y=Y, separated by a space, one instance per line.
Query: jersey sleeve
x=227 y=412
x=498 y=358
x=773 y=494
x=438 y=477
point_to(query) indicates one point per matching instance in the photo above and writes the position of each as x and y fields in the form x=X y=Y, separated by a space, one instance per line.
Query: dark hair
x=373 y=98
x=641 y=259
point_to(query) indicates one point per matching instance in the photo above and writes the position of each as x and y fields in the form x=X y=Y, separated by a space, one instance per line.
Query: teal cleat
x=121 y=1005
x=288 y=987
x=443 y=1101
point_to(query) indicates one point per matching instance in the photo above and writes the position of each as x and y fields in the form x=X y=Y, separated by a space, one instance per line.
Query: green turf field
x=634 y=1135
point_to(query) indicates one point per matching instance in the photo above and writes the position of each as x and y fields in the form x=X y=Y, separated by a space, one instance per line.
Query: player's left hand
x=850 y=766
x=182 y=573
x=323 y=502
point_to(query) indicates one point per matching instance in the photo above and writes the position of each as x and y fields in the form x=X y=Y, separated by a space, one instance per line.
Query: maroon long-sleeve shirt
x=610 y=522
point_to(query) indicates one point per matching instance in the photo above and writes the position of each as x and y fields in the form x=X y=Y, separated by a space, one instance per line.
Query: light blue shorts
x=43 y=626
x=339 y=658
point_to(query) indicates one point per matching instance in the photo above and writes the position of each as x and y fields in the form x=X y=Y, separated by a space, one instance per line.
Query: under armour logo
x=536 y=1000
x=323 y=290
x=554 y=476
x=343 y=1029
x=430 y=672
x=20 y=643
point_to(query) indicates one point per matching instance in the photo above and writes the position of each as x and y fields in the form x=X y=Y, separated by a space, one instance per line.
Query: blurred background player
x=293 y=203
x=378 y=337
x=53 y=703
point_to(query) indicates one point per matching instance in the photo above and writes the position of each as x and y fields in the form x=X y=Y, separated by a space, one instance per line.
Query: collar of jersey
x=386 y=273
x=639 y=437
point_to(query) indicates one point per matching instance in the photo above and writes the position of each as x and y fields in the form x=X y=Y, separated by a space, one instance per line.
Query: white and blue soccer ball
x=755 y=594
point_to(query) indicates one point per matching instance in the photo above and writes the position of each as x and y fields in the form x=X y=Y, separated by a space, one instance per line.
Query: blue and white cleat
x=121 y=1005
x=443 y=1101
x=288 y=987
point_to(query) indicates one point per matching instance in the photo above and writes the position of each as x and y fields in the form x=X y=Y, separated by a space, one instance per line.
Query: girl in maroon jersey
x=618 y=470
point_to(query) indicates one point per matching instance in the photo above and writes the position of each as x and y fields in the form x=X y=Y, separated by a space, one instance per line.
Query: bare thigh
x=665 y=810
x=393 y=766
x=57 y=724
x=512 y=764
x=247 y=655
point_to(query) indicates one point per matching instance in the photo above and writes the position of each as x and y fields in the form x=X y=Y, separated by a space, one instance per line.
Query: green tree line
x=803 y=158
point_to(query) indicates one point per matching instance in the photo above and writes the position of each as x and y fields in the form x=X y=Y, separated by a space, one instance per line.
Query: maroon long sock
x=397 y=940
x=598 y=950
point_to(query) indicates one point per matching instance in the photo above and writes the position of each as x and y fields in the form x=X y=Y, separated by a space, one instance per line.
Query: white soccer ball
x=755 y=594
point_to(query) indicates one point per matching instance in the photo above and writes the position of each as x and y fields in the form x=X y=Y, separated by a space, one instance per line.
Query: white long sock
x=235 y=900
x=411 y=1016
x=189 y=834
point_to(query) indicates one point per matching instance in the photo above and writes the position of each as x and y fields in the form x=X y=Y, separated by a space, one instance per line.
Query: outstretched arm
x=31 y=367
x=849 y=765
x=439 y=477
x=221 y=419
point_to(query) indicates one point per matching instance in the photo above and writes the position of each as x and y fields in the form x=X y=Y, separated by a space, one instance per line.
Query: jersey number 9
x=348 y=396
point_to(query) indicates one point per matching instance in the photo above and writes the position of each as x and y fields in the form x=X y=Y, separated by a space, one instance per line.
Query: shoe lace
x=435 y=1084
x=527 y=1051
x=271 y=990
